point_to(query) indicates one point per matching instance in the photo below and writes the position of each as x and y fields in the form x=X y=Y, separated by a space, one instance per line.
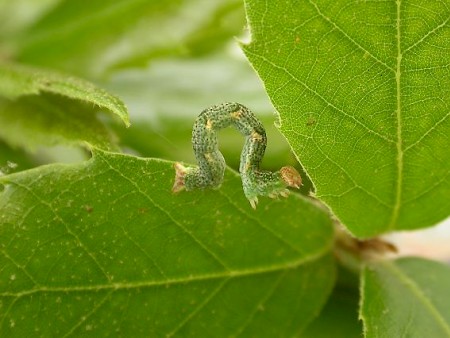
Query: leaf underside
x=104 y=247
x=19 y=80
x=362 y=89
x=42 y=107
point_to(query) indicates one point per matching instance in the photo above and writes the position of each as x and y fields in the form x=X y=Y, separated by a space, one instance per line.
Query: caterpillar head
x=271 y=184
x=291 y=177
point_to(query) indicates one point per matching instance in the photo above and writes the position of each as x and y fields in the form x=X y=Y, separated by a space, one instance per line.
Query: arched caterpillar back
x=211 y=164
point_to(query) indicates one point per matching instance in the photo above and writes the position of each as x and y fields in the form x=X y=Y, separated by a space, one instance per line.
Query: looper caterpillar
x=211 y=164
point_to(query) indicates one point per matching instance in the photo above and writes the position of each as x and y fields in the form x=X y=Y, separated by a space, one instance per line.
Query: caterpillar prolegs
x=211 y=164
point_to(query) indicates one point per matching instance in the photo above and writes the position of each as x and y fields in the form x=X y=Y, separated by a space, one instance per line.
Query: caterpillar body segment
x=211 y=165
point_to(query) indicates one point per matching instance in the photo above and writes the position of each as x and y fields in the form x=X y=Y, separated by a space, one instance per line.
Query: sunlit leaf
x=362 y=89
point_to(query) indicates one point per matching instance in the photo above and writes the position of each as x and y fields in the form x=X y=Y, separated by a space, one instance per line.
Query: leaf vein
x=140 y=248
x=429 y=131
x=284 y=241
x=69 y=231
x=348 y=37
x=399 y=143
x=88 y=314
x=168 y=282
x=176 y=222
x=427 y=35
x=322 y=98
x=416 y=291
x=258 y=306
x=355 y=184
x=198 y=308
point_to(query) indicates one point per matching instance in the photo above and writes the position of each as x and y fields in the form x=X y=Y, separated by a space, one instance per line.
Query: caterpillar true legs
x=211 y=164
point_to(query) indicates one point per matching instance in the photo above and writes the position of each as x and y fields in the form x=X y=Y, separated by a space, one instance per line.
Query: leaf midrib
x=225 y=274
x=399 y=144
x=400 y=149
x=397 y=71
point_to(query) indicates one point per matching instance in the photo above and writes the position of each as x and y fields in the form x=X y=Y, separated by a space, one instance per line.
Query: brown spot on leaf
x=143 y=210
x=311 y=121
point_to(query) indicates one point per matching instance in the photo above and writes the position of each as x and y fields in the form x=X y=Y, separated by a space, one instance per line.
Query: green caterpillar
x=211 y=164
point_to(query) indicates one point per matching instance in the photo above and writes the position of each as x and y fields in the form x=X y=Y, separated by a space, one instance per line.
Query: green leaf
x=339 y=318
x=102 y=34
x=406 y=298
x=50 y=120
x=104 y=248
x=362 y=89
x=19 y=80
x=47 y=108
